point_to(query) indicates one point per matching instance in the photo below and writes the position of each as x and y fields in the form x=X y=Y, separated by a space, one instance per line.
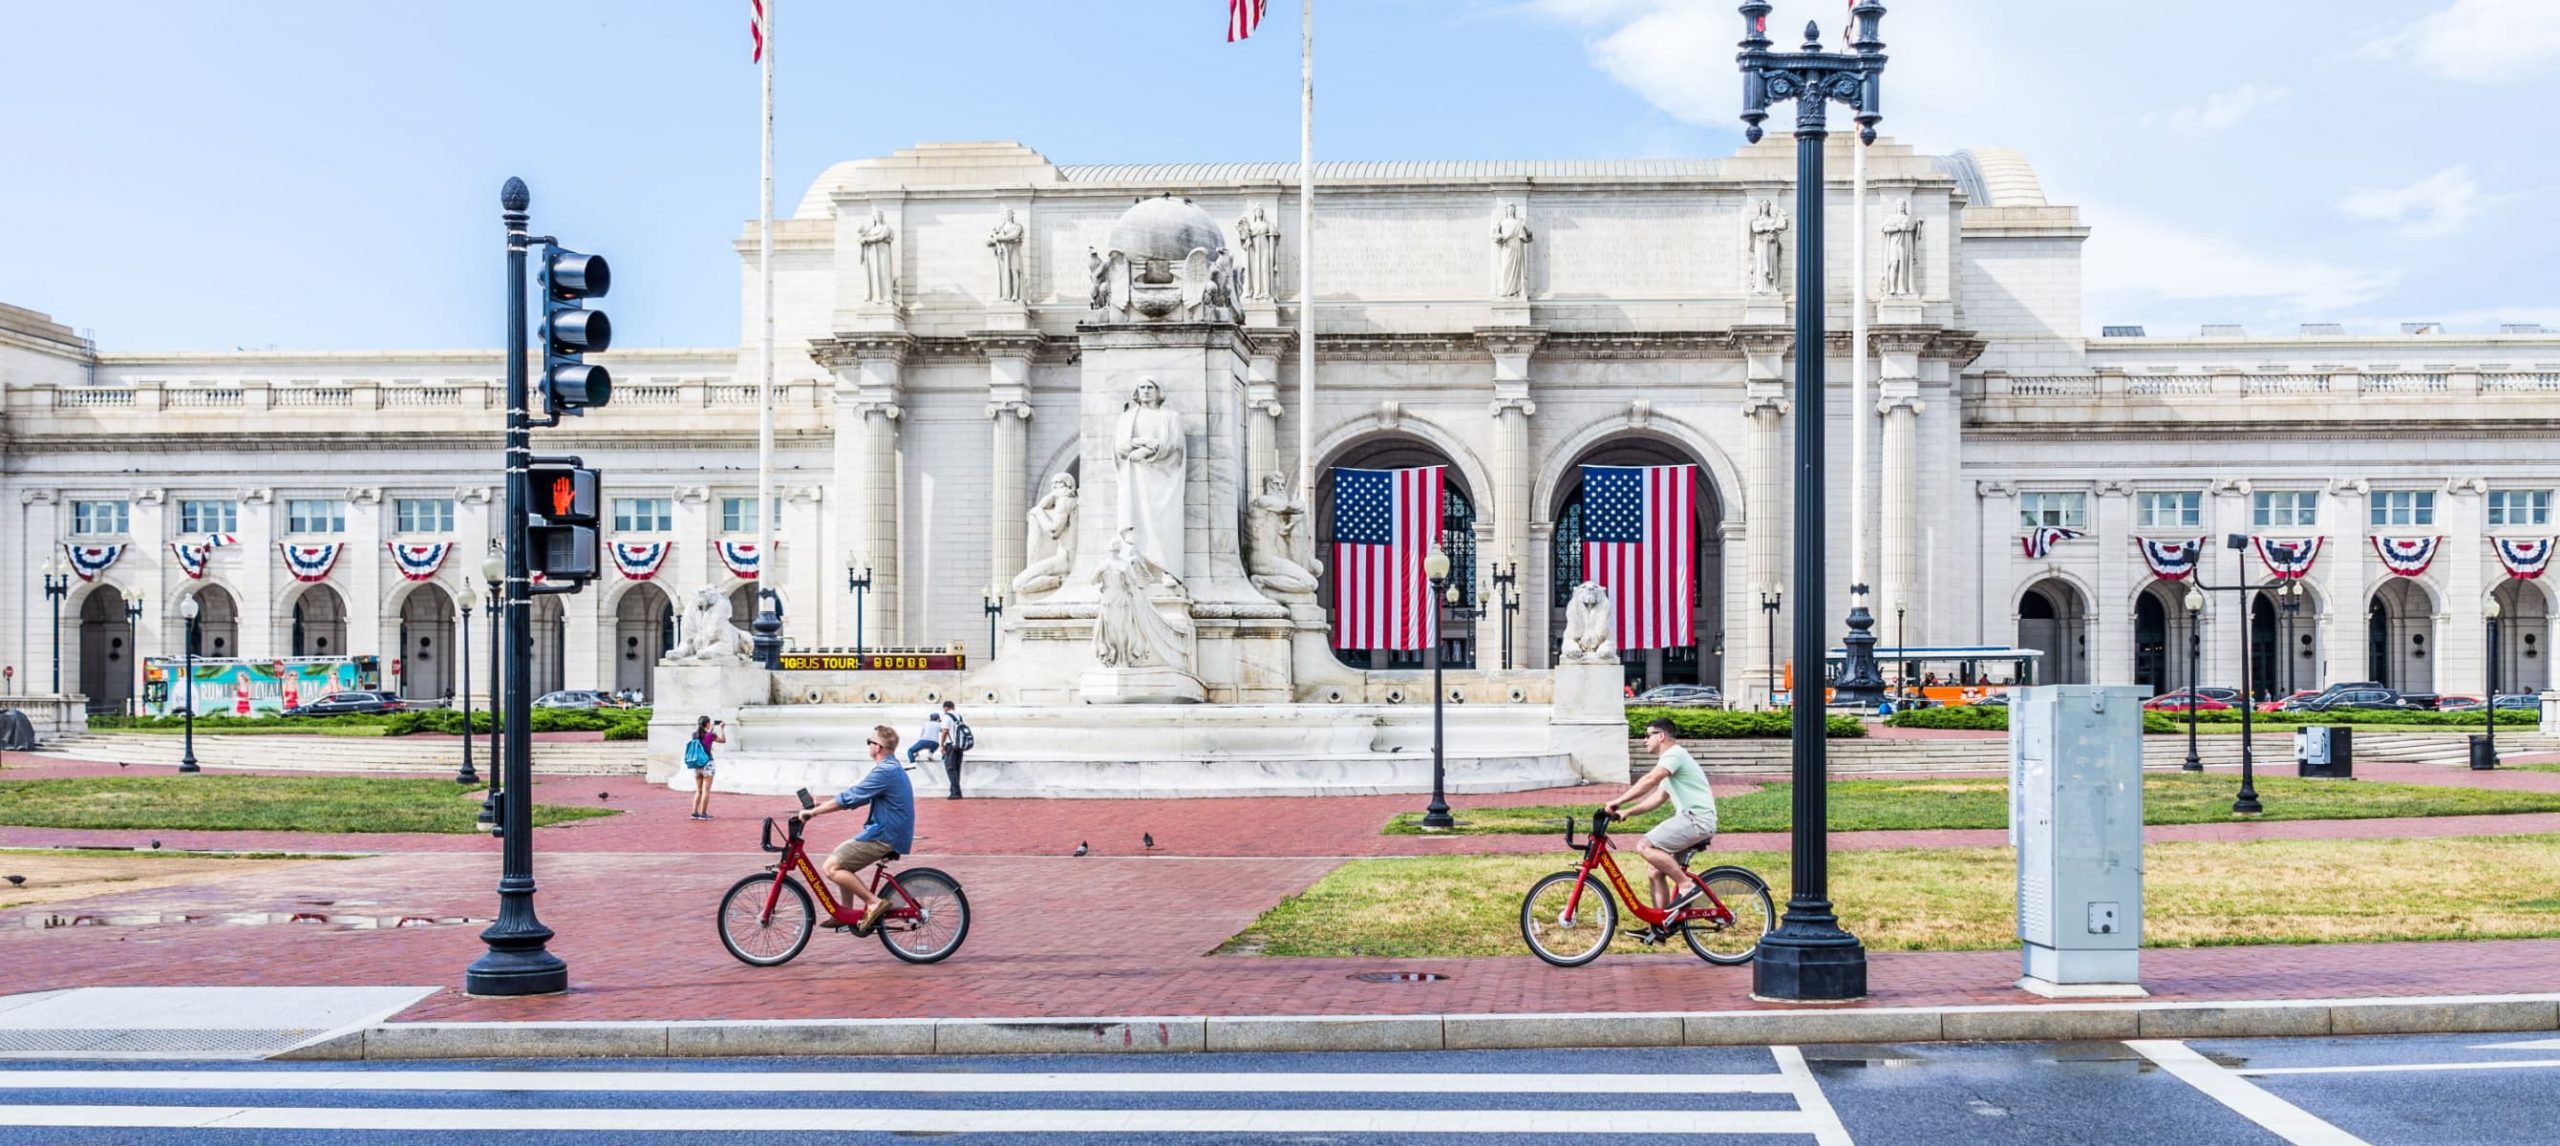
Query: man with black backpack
x=957 y=740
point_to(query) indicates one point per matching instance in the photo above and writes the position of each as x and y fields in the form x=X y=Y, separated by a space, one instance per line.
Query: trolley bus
x=1949 y=674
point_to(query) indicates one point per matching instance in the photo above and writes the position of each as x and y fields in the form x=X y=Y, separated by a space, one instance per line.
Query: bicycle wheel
x=1745 y=895
x=943 y=921
x=759 y=941
x=1561 y=939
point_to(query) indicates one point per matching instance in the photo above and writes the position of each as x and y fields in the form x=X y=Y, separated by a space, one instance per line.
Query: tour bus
x=1950 y=674
x=244 y=686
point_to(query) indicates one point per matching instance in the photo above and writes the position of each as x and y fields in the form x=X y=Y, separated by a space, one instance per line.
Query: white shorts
x=1684 y=831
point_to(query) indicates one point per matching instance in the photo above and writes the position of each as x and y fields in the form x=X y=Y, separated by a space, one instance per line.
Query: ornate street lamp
x=1770 y=599
x=1809 y=956
x=992 y=604
x=2289 y=599
x=1504 y=577
x=857 y=580
x=133 y=647
x=466 y=601
x=493 y=571
x=57 y=585
x=1436 y=566
x=188 y=610
x=2489 y=612
x=2195 y=659
x=1902 y=645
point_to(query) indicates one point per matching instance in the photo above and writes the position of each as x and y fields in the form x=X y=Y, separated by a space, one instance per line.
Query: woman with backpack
x=697 y=759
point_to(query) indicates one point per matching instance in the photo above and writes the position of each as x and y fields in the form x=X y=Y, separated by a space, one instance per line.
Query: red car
x=2205 y=701
x=2285 y=703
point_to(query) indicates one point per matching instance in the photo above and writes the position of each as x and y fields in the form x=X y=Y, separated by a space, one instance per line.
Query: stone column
x=2459 y=657
x=1262 y=402
x=266 y=623
x=1996 y=580
x=2341 y=576
x=2226 y=615
x=1009 y=357
x=1765 y=406
x=1899 y=583
x=371 y=627
x=868 y=370
x=1512 y=408
x=2111 y=645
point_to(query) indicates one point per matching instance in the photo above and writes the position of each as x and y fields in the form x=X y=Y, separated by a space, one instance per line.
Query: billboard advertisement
x=233 y=686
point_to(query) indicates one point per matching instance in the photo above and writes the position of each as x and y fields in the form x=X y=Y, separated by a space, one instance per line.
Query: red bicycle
x=767 y=918
x=1568 y=919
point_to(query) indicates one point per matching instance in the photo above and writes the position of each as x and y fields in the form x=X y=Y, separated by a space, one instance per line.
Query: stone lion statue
x=1589 y=638
x=708 y=636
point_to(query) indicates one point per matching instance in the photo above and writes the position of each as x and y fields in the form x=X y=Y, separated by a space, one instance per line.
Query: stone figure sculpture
x=1589 y=638
x=1098 y=281
x=1901 y=252
x=1053 y=539
x=1274 y=520
x=1147 y=454
x=1223 y=287
x=1511 y=236
x=709 y=637
x=879 y=268
x=1006 y=242
x=1128 y=632
x=1767 y=226
x=1261 y=242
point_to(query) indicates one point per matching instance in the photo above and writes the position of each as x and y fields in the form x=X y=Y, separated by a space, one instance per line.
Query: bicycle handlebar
x=1600 y=818
x=792 y=838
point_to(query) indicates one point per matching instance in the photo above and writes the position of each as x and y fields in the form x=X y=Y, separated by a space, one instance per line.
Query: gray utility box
x=2075 y=816
x=2327 y=751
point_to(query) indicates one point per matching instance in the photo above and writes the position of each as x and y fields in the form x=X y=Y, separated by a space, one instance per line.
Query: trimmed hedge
x=2472 y=719
x=442 y=721
x=1718 y=724
x=1971 y=717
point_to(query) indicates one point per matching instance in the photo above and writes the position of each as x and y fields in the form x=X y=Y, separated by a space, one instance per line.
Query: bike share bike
x=767 y=918
x=1568 y=918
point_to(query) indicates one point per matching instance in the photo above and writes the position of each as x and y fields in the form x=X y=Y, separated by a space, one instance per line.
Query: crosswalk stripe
x=453 y=1119
x=2283 y=1119
x=820 y=1082
x=2400 y=1067
x=1827 y=1128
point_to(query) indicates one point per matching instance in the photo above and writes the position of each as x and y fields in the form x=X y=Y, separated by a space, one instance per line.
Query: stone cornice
x=853 y=349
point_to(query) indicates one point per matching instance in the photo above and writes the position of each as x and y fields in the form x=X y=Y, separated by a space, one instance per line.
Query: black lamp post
x=2489 y=610
x=1504 y=576
x=2195 y=659
x=493 y=571
x=2238 y=543
x=188 y=610
x=133 y=647
x=859 y=584
x=1770 y=599
x=1902 y=647
x=57 y=585
x=464 y=602
x=1436 y=815
x=1809 y=956
x=991 y=603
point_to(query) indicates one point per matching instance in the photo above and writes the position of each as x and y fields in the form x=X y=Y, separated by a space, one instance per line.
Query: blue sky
x=323 y=176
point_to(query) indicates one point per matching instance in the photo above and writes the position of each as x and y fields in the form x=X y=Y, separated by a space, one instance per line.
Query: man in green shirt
x=1676 y=777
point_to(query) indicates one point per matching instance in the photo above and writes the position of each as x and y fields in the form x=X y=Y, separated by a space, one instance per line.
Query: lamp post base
x=1800 y=964
x=1861 y=683
x=516 y=973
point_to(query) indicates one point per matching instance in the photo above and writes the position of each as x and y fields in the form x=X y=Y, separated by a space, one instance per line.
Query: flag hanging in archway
x=1384 y=523
x=1639 y=541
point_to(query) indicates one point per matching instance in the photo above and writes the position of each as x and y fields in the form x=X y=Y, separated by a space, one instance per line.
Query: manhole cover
x=1399 y=976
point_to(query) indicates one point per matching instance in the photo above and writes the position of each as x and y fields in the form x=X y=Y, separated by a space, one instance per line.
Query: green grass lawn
x=255 y=803
x=1957 y=899
x=2533 y=767
x=1916 y=805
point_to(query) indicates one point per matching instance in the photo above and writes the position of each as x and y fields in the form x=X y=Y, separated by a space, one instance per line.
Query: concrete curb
x=2460 y=1014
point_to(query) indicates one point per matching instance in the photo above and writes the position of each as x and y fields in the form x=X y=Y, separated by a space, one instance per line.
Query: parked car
x=2520 y=702
x=1683 y=696
x=2458 y=704
x=2362 y=700
x=2207 y=699
x=577 y=698
x=1996 y=700
x=351 y=702
x=2287 y=703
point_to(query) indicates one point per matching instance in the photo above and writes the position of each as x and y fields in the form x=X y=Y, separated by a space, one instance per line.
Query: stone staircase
x=433 y=755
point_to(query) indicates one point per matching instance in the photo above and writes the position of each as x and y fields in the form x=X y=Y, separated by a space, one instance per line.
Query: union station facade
x=915 y=426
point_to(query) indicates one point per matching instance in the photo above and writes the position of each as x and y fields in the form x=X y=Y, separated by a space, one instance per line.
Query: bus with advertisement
x=246 y=686
x=1946 y=674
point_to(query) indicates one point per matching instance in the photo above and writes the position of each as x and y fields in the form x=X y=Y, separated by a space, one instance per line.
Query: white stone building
x=913 y=432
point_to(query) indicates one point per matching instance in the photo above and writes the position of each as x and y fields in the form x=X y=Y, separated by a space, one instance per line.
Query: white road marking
x=1549 y=1122
x=2389 y=1068
x=2530 y=1044
x=2284 y=1119
x=821 y=1082
x=1827 y=1130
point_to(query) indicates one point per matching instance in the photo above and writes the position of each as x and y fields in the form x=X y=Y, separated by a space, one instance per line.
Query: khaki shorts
x=855 y=855
x=1682 y=832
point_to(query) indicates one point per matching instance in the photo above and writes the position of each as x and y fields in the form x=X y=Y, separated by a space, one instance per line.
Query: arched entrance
x=644 y=628
x=2524 y=631
x=2284 y=641
x=319 y=624
x=217 y=630
x=426 y=645
x=1701 y=661
x=106 y=651
x=1457 y=537
x=2400 y=635
x=2162 y=630
x=2053 y=618
x=550 y=644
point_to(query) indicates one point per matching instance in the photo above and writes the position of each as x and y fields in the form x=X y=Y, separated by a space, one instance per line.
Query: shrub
x=629 y=728
x=1975 y=717
x=1718 y=724
x=2470 y=719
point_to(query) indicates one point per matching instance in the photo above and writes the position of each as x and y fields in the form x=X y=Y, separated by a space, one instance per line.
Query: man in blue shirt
x=890 y=831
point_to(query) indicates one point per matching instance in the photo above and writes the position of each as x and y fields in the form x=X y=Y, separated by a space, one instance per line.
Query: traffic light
x=560 y=527
x=569 y=383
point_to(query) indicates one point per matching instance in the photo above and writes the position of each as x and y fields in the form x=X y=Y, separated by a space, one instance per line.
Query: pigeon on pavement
x=17 y=881
x=1149 y=838
x=155 y=845
x=1081 y=848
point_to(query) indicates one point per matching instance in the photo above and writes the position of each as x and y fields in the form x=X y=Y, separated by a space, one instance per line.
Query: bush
x=1972 y=717
x=1717 y=724
x=629 y=728
x=448 y=721
x=2470 y=719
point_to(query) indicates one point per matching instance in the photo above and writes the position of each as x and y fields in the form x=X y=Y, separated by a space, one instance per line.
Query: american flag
x=1384 y=523
x=1640 y=540
x=1242 y=17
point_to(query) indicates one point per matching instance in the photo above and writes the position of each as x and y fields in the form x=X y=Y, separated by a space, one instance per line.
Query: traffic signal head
x=570 y=385
x=560 y=527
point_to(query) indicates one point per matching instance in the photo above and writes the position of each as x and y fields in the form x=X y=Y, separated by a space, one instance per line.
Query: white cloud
x=2438 y=205
x=2222 y=109
x=2484 y=41
x=2131 y=254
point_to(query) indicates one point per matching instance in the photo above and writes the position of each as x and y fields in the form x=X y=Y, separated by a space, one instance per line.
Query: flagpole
x=1307 y=248
x=1859 y=411
x=765 y=563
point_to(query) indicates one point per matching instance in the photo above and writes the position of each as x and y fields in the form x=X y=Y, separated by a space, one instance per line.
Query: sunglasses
x=876 y=744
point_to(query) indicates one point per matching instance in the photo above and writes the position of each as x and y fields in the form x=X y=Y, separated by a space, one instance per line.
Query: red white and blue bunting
x=2171 y=560
x=419 y=561
x=2288 y=560
x=2039 y=541
x=310 y=562
x=2407 y=556
x=90 y=560
x=639 y=560
x=191 y=558
x=2524 y=557
x=741 y=557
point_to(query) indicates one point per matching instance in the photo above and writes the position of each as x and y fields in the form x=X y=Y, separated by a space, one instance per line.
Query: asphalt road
x=2472 y=1089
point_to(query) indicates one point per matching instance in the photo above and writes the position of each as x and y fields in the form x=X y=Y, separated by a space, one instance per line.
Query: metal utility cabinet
x=2075 y=816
